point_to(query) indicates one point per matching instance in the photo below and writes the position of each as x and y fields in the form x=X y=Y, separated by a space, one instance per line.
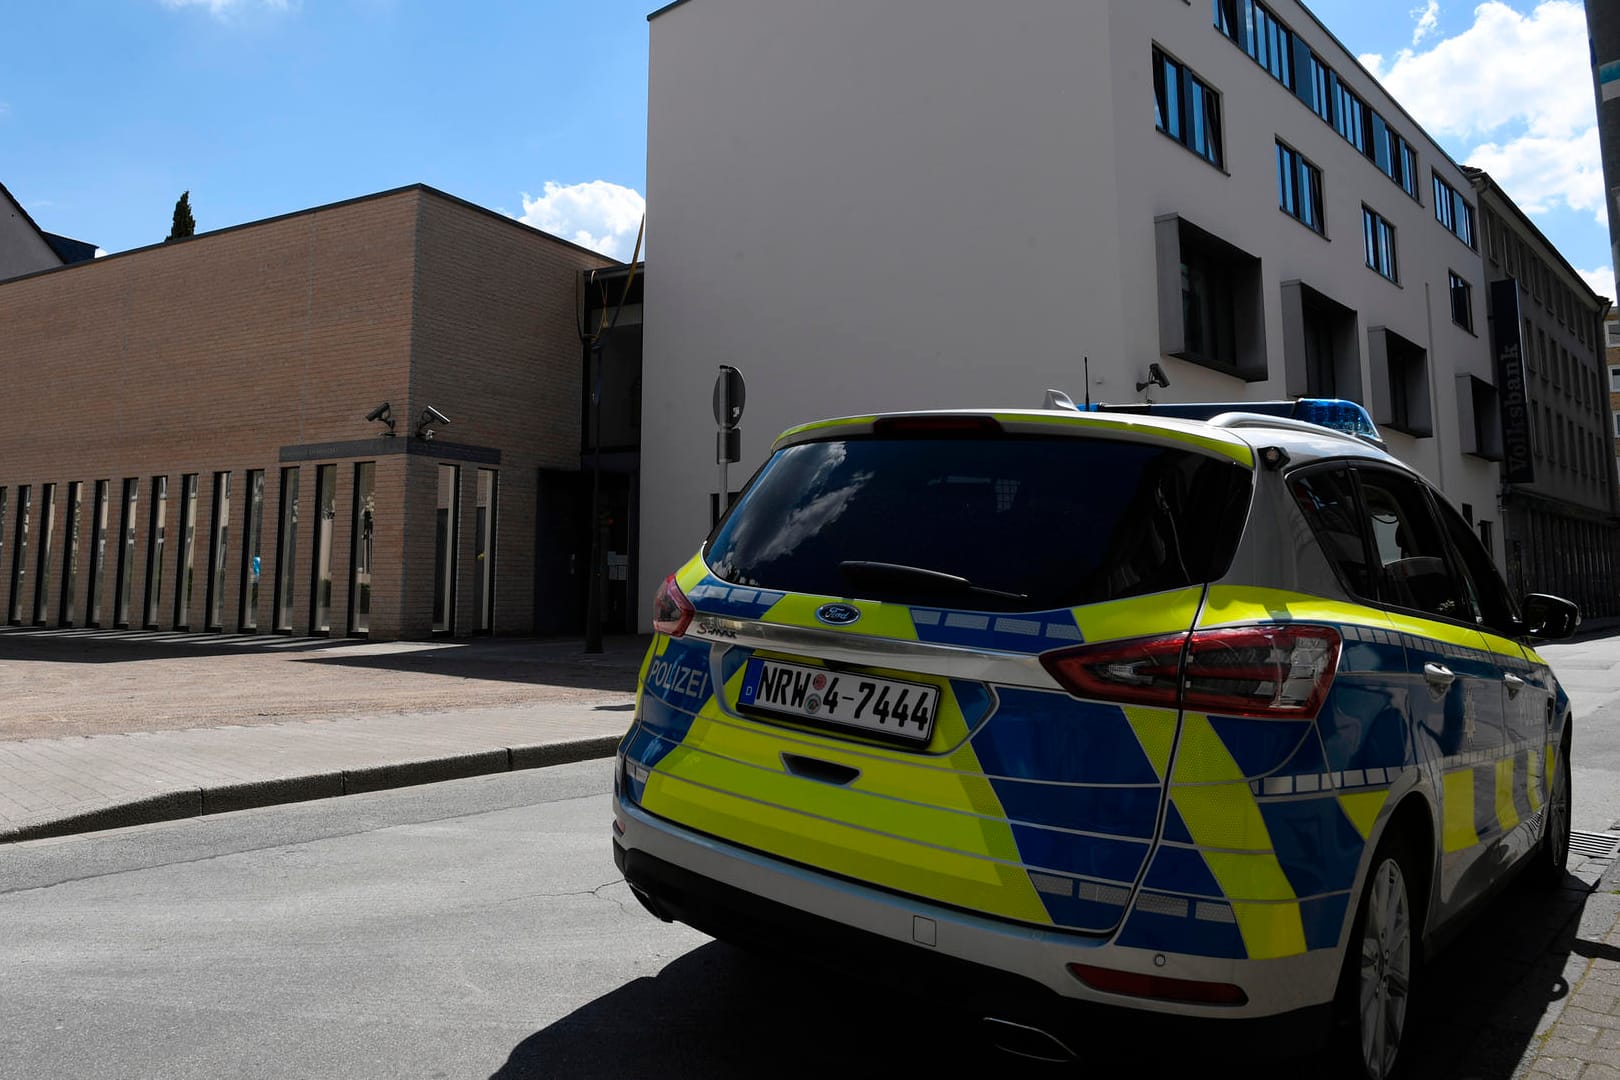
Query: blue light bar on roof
x=1335 y=413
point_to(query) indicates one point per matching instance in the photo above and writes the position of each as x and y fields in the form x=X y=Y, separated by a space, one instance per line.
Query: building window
x=444 y=550
x=156 y=528
x=287 y=548
x=98 y=555
x=1617 y=425
x=1299 y=189
x=1454 y=212
x=1400 y=383
x=126 y=554
x=1321 y=345
x=1349 y=114
x=68 y=612
x=1378 y=236
x=320 y=600
x=184 y=560
x=1253 y=28
x=19 y=556
x=1210 y=307
x=1479 y=418
x=1462 y=302
x=365 y=520
x=1187 y=109
x=1614 y=380
x=1393 y=155
x=1313 y=88
x=252 y=548
x=484 y=549
x=218 y=549
x=1612 y=330
x=47 y=529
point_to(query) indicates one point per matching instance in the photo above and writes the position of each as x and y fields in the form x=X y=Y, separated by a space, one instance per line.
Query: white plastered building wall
x=868 y=207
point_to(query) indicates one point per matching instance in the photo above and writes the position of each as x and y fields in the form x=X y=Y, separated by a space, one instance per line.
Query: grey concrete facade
x=909 y=205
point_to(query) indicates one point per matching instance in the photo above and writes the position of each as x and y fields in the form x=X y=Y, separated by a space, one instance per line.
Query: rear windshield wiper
x=937 y=581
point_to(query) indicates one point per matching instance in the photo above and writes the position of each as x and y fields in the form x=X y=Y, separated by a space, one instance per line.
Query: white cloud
x=1428 y=18
x=221 y=8
x=1517 y=90
x=1601 y=280
x=597 y=214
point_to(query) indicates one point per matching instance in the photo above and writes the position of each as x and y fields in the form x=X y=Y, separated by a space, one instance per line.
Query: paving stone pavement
x=123 y=773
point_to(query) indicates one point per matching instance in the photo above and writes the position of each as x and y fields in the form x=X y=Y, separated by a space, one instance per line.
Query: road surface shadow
x=720 y=1012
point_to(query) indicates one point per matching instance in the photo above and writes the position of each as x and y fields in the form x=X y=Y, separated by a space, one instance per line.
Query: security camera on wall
x=430 y=415
x=384 y=414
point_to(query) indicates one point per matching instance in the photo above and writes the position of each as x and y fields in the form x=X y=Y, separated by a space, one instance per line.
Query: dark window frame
x=1193 y=120
x=1379 y=245
x=1299 y=189
x=1457 y=284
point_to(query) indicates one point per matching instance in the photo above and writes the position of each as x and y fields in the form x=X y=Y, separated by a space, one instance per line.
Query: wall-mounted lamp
x=383 y=414
x=430 y=415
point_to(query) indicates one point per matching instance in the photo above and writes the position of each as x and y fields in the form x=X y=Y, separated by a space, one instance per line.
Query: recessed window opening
x=444 y=552
x=320 y=600
x=68 y=612
x=126 y=554
x=252 y=549
x=98 y=555
x=218 y=549
x=19 y=556
x=287 y=548
x=154 y=551
x=47 y=531
x=484 y=550
x=361 y=536
x=183 y=557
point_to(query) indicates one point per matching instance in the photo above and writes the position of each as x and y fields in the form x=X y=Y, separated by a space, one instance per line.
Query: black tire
x=1553 y=852
x=1381 y=966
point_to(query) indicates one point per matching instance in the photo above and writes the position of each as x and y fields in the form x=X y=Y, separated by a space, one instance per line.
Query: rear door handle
x=1438 y=675
x=1514 y=684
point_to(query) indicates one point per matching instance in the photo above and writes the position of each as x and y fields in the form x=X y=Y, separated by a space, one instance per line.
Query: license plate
x=865 y=703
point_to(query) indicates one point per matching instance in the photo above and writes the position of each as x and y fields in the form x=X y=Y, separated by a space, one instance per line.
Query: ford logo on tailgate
x=838 y=614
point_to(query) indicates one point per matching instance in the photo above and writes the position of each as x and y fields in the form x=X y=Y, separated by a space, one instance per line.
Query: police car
x=1217 y=711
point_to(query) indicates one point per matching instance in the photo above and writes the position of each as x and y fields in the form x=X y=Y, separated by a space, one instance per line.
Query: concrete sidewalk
x=136 y=766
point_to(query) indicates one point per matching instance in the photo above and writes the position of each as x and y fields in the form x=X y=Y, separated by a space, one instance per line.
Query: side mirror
x=1550 y=618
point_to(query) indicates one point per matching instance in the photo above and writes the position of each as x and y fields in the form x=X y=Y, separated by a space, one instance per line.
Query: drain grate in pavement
x=1594 y=845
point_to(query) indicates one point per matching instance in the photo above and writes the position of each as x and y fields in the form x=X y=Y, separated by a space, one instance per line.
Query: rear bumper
x=1002 y=969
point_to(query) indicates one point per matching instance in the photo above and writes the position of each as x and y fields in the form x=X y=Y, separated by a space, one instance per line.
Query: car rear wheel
x=1381 y=966
x=1554 y=850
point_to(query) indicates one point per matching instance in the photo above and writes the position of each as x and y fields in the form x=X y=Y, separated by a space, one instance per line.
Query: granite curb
x=198 y=800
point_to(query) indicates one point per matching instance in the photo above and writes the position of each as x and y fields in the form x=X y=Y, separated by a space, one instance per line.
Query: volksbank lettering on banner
x=1518 y=463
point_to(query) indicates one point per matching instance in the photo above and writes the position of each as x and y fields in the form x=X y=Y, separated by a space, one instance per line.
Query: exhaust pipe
x=1024 y=1041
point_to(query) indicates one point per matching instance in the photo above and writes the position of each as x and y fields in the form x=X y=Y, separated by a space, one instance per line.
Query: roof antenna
x=1087 y=362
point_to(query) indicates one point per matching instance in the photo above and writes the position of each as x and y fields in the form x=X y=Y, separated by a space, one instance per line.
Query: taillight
x=672 y=611
x=1158 y=986
x=1276 y=670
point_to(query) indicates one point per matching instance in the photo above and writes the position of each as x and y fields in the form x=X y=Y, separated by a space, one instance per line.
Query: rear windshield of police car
x=1002 y=524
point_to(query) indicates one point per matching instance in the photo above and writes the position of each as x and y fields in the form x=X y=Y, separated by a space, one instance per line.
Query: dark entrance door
x=562 y=552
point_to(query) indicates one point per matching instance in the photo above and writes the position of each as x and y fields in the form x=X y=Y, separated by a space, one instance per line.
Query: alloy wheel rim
x=1386 y=969
x=1558 y=817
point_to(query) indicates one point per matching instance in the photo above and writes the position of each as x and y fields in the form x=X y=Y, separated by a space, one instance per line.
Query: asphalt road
x=479 y=929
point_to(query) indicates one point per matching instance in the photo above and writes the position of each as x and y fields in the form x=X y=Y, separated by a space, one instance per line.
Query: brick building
x=191 y=442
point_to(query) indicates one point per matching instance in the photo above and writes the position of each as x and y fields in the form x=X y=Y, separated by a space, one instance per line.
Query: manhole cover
x=1594 y=845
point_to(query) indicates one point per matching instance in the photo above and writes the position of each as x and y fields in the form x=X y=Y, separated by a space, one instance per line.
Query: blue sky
x=538 y=109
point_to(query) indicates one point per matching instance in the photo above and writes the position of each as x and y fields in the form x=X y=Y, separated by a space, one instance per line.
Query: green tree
x=184 y=224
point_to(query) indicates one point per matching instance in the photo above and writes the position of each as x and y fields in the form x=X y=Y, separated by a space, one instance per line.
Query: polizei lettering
x=678 y=678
